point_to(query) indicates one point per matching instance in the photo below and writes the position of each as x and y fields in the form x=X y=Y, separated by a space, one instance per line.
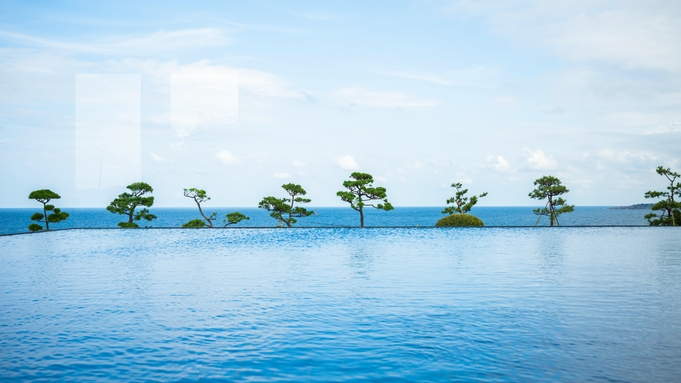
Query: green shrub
x=459 y=220
x=128 y=225
x=195 y=223
x=35 y=227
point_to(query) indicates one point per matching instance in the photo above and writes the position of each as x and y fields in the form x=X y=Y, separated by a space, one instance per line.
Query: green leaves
x=360 y=191
x=195 y=223
x=57 y=216
x=550 y=187
x=44 y=196
x=126 y=203
x=234 y=218
x=669 y=207
x=199 y=196
x=457 y=220
x=283 y=209
x=463 y=203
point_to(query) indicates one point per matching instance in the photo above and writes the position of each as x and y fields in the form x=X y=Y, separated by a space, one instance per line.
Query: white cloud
x=299 y=164
x=133 y=44
x=227 y=158
x=363 y=97
x=158 y=158
x=347 y=162
x=669 y=128
x=627 y=33
x=537 y=160
x=506 y=102
x=499 y=163
x=198 y=100
x=473 y=76
x=419 y=76
x=283 y=175
x=462 y=178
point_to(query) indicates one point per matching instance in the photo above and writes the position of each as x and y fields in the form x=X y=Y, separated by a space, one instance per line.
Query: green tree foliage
x=669 y=207
x=283 y=209
x=195 y=223
x=549 y=187
x=55 y=216
x=234 y=218
x=463 y=203
x=199 y=196
x=126 y=203
x=459 y=220
x=360 y=191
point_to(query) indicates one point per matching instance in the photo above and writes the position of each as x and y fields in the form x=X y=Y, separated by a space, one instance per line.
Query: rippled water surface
x=484 y=304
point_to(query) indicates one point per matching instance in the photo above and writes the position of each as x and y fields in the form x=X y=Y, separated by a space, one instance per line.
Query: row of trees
x=360 y=193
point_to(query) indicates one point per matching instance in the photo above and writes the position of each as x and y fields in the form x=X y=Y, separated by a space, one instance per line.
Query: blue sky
x=239 y=98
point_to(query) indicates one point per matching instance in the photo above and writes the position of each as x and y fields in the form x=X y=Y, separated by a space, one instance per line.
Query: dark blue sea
x=17 y=220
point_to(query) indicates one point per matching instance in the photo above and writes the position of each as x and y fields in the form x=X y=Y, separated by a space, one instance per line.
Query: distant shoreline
x=638 y=206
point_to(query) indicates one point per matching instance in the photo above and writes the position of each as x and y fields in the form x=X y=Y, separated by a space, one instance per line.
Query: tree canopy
x=284 y=209
x=199 y=196
x=668 y=206
x=462 y=203
x=361 y=191
x=549 y=187
x=455 y=220
x=126 y=203
x=56 y=215
x=234 y=218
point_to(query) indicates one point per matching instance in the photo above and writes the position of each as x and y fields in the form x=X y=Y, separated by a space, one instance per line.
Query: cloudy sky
x=238 y=98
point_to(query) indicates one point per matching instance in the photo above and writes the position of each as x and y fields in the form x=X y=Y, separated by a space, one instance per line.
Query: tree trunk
x=361 y=217
x=210 y=223
x=47 y=224
x=290 y=213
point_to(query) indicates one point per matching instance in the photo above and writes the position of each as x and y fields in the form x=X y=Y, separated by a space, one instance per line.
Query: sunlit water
x=484 y=305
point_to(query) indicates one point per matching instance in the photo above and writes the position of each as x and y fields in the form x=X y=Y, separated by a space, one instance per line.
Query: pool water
x=476 y=304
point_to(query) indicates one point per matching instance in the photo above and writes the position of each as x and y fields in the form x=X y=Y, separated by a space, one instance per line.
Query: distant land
x=638 y=206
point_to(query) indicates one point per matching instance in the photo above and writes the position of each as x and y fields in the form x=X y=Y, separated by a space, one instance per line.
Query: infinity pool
x=479 y=305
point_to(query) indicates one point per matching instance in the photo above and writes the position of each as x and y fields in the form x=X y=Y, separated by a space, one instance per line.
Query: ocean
x=17 y=220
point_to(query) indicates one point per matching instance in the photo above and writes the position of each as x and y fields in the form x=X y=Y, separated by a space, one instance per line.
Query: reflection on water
x=550 y=252
x=524 y=304
x=360 y=260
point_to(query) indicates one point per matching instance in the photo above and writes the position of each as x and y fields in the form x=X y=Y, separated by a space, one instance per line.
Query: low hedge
x=459 y=220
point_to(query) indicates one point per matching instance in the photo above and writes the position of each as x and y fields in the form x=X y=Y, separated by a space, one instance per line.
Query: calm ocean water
x=596 y=304
x=17 y=220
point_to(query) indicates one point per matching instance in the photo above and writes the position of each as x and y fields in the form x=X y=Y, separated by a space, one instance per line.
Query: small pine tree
x=360 y=191
x=283 y=209
x=56 y=215
x=126 y=203
x=550 y=187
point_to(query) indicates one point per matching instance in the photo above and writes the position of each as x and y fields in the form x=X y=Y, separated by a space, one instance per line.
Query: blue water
x=17 y=220
x=414 y=304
